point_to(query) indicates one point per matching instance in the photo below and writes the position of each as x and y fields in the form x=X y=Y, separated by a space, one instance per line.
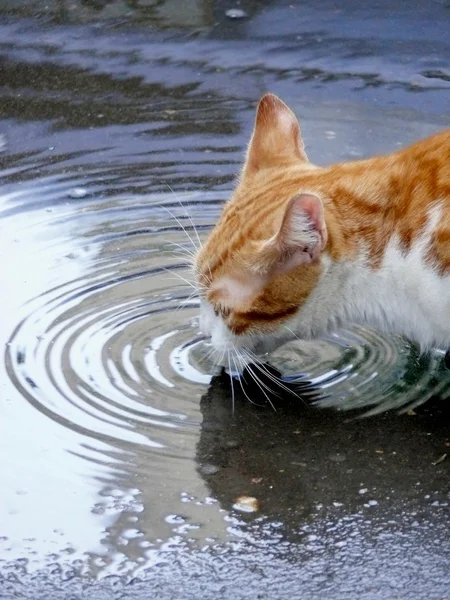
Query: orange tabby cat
x=301 y=250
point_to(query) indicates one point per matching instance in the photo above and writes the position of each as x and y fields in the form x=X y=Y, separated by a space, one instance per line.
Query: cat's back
x=432 y=152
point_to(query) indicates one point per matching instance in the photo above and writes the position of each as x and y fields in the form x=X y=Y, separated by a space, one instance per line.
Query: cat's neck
x=360 y=208
x=370 y=202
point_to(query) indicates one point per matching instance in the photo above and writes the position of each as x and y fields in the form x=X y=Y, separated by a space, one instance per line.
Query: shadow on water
x=301 y=462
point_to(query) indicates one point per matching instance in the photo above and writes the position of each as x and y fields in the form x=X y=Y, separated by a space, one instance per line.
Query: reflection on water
x=120 y=450
x=170 y=13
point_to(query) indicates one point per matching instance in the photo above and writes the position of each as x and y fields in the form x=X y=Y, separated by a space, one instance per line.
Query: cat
x=301 y=251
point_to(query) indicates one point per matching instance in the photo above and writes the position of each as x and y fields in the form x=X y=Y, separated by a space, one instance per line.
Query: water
x=121 y=456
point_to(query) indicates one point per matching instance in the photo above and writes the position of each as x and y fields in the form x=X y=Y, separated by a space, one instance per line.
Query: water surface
x=121 y=455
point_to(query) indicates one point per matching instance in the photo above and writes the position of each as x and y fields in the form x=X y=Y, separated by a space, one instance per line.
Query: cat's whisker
x=183 y=228
x=192 y=223
x=186 y=284
x=277 y=380
x=232 y=384
x=242 y=364
x=212 y=354
x=218 y=360
x=207 y=356
x=293 y=332
x=239 y=377
x=254 y=375
x=260 y=365
x=184 y=250
x=184 y=302
x=189 y=217
x=177 y=254
x=209 y=279
x=198 y=273
x=262 y=385
x=190 y=283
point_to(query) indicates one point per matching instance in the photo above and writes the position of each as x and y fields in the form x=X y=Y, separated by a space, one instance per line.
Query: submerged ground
x=121 y=459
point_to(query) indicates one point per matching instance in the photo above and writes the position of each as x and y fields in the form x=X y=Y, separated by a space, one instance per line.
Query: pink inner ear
x=303 y=225
x=300 y=239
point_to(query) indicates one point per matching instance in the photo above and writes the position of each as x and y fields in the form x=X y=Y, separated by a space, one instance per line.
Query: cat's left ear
x=276 y=138
x=301 y=237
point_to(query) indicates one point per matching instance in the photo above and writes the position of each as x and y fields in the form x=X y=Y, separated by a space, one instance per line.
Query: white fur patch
x=235 y=293
x=405 y=295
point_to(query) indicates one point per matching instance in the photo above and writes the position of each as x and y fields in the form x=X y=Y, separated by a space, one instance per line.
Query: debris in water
x=208 y=469
x=439 y=460
x=257 y=479
x=236 y=13
x=246 y=504
x=78 y=193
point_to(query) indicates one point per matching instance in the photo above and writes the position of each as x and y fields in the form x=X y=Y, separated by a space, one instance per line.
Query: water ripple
x=116 y=353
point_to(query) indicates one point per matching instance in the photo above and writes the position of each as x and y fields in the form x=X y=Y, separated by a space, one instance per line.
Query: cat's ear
x=300 y=239
x=276 y=137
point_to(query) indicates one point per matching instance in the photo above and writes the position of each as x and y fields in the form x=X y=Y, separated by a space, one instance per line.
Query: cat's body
x=300 y=251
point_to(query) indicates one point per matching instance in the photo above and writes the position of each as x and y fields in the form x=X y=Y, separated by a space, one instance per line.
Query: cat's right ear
x=300 y=239
x=276 y=138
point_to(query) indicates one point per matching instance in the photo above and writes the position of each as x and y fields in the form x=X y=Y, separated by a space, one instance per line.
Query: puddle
x=121 y=455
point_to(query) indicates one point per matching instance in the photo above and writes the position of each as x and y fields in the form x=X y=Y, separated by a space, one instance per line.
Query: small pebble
x=232 y=444
x=246 y=504
x=208 y=469
x=236 y=13
x=338 y=458
x=77 y=193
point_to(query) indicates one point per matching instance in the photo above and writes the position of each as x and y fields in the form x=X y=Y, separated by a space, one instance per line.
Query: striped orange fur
x=307 y=249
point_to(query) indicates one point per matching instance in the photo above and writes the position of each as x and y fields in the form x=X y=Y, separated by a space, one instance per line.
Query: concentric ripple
x=361 y=368
x=117 y=352
x=108 y=354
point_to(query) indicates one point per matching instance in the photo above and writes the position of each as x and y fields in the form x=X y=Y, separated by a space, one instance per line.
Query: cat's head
x=262 y=260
